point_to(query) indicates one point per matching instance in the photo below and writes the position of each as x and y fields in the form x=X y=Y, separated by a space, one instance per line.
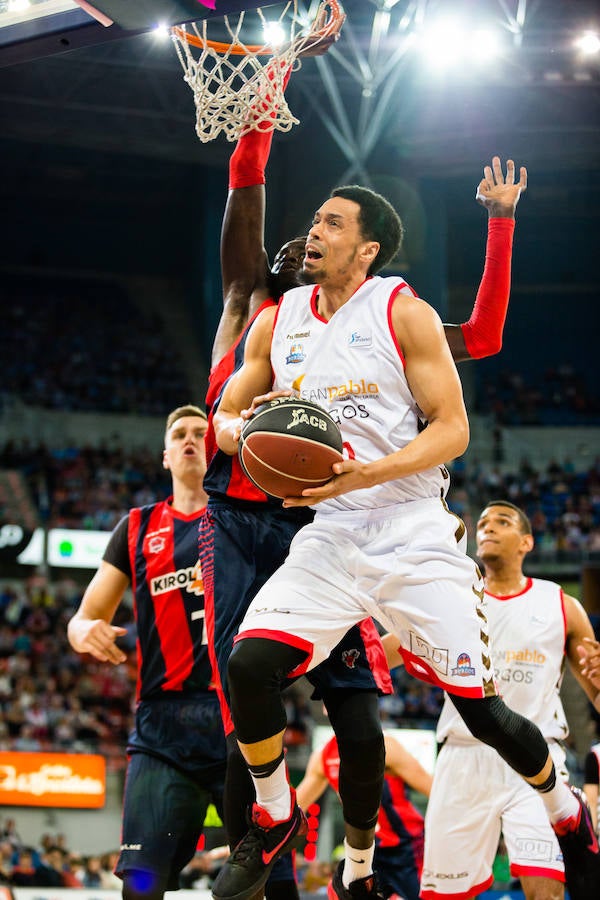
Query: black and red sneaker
x=580 y=851
x=248 y=867
x=362 y=889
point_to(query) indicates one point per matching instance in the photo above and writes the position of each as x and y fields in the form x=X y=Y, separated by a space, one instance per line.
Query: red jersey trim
x=376 y=656
x=394 y=337
x=528 y=586
x=537 y=872
x=313 y=304
x=427 y=893
x=564 y=618
x=417 y=666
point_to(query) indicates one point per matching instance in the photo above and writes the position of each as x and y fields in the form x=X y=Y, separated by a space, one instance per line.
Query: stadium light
x=161 y=31
x=588 y=43
x=449 y=43
x=274 y=34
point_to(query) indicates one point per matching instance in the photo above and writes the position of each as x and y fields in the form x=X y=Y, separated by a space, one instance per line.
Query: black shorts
x=184 y=730
x=163 y=815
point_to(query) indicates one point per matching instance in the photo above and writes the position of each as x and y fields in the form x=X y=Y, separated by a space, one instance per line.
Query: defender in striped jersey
x=177 y=753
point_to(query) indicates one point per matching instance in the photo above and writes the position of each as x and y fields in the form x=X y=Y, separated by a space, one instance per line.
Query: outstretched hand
x=498 y=194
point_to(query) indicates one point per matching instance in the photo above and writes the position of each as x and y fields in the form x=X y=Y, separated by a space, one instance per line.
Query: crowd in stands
x=562 y=503
x=58 y=351
x=557 y=396
x=93 y=487
x=50 y=697
x=51 y=864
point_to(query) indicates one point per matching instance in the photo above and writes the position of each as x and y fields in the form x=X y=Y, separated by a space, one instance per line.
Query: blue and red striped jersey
x=166 y=580
x=225 y=476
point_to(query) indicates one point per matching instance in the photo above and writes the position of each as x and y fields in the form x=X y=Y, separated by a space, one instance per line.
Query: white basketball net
x=234 y=91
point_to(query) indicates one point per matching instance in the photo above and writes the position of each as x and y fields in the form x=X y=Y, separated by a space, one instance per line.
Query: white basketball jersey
x=352 y=366
x=527 y=634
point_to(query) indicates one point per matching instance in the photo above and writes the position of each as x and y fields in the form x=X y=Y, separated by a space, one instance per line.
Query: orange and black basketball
x=288 y=445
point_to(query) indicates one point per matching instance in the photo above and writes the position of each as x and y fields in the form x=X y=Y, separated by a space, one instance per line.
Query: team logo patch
x=350 y=657
x=296 y=354
x=156 y=544
x=463 y=666
x=360 y=339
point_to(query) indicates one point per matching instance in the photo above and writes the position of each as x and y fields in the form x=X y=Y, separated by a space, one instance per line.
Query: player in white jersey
x=383 y=542
x=533 y=627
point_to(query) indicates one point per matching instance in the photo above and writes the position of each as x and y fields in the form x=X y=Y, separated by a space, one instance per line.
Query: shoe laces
x=249 y=848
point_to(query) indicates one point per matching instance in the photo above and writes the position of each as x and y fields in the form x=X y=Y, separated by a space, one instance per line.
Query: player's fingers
x=488 y=176
x=497 y=170
x=523 y=178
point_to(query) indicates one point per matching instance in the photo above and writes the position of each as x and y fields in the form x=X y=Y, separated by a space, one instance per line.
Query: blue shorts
x=398 y=871
x=258 y=536
x=185 y=731
x=163 y=814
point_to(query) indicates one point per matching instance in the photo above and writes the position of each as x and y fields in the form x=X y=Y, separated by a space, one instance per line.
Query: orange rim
x=255 y=49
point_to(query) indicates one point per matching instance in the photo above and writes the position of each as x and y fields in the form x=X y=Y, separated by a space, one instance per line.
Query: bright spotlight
x=443 y=44
x=161 y=31
x=18 y=5
x=484 y=45
x=588 y=44
x=274 y=35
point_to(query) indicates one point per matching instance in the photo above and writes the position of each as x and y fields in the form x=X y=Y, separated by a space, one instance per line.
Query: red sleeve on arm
x=483 y=332
x=249 y=159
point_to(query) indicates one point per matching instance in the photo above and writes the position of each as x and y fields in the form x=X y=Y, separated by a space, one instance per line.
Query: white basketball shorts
x=475 y=796
x=402 y=565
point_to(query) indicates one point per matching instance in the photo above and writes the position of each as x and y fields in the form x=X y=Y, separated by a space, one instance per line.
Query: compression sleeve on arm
x=249 y=159
x=483 y=332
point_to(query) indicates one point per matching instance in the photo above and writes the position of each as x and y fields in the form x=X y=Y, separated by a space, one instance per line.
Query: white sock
x=560 y=802
x=357 y=863
x=273 y=793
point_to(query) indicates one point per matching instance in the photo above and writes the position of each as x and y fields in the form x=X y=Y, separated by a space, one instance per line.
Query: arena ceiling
x=370 y=99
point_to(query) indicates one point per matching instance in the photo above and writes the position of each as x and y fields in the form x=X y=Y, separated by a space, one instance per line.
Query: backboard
x=30 y=29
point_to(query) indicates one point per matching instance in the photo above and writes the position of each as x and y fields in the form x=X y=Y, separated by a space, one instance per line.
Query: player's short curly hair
x=378 y=221
x=182 y=411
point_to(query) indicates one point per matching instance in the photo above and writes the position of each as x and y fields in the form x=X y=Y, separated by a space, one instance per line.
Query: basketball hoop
x=234 y=91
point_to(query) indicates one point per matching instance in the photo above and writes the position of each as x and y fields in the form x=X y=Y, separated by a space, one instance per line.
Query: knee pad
x=256 y=670
x=519 y=742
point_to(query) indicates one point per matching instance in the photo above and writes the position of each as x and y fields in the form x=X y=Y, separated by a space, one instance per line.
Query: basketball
x=289 y=445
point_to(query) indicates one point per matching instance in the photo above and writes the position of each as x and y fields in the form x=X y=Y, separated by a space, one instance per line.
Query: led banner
x=52 y=779
x=67 y=547
x=78 y=549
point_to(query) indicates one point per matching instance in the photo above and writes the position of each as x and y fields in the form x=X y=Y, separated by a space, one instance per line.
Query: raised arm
x=481 y=336
x=244 y=262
